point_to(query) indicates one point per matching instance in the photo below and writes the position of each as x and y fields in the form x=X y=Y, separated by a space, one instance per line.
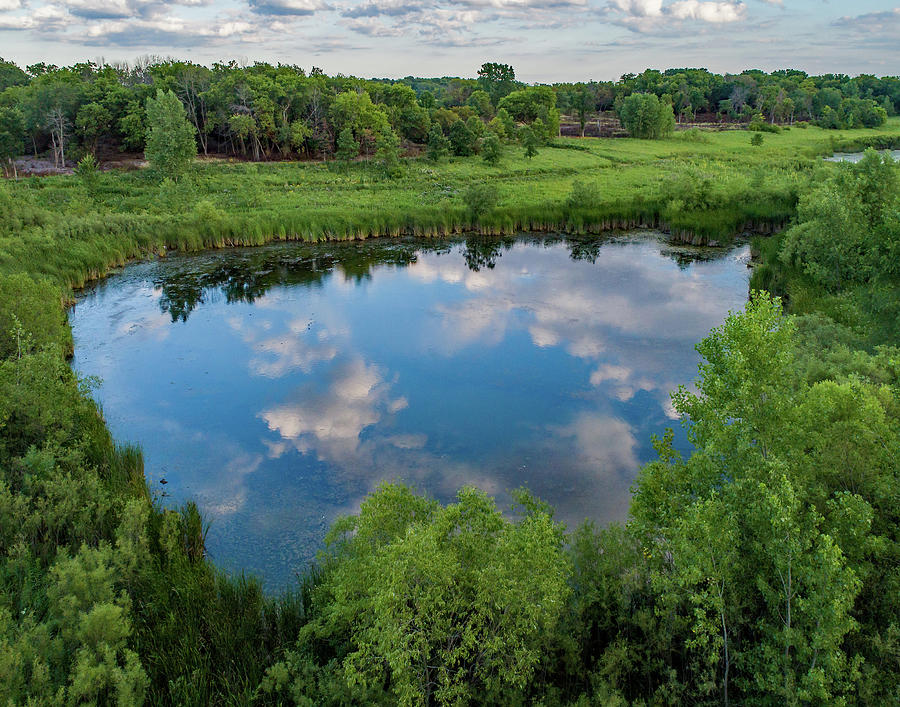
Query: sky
x=545 y=40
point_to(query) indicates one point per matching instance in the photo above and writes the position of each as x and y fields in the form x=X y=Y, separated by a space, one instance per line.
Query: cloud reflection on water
x=537 y=369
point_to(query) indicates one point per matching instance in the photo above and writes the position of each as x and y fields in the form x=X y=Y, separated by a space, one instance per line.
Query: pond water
x=277 y=386
x=857 y=156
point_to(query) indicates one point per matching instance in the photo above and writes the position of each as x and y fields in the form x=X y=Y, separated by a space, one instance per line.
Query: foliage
x=462 y=140
x=860 y=203
x=481 y=593
x=88 y=171
x=480 y=199
x=438 y=145
x=645 y=116
x=756 y=140
x=530 y=141
x=387 y=151
x=347 y=146
x=497 y=80
x=171 y=147
x=491 y=149
x=107 y=597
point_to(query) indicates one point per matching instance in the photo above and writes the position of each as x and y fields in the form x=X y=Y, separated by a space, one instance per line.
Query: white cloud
x=654 y=15
x=714 y=12
x=639 y=8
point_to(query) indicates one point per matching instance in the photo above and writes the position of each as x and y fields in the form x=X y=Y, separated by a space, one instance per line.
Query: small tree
x=387 y=150
x=438 y=145
x=347 y=146
x=91 y=123
x=645 y=116
x=756 y=139
x=171 y=146
x=530 y=141
x=480 y=199
x=491 y=150
x=88 y=173
x=461 y=139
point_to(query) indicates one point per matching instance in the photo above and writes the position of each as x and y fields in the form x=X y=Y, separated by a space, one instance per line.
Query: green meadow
x=707 y=185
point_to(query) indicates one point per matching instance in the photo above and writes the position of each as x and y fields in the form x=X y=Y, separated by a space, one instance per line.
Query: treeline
x=269 y=112
x=830 y=100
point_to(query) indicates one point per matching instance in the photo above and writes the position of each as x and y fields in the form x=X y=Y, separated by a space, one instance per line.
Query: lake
x=278 y=386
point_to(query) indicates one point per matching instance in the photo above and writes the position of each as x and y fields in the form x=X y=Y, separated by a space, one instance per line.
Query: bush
x=88 y=172
x=491 y=150
x=761 y=126
x=480 y=199
x=693 y=135
x=802 y=124
x=756 y=139
x=583 y=195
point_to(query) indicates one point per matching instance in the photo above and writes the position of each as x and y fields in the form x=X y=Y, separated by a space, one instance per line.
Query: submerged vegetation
x=761 y=569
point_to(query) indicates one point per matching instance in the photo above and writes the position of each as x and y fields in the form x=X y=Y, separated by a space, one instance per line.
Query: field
x=702 y=185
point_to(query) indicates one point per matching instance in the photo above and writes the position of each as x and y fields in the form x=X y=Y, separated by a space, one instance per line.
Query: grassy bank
x=703 y=189
x=108 y=597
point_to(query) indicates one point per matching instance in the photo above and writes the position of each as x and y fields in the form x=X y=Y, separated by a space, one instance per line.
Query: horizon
x=546 y=41
x=246 y=61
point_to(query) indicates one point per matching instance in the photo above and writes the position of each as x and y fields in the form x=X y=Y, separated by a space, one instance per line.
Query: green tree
x=530 y=141
x=12 y=137
x=645 y=116
x=491 y=149
x=92 y=122
x=585 y=104
x=438 y=146
x=461 y=139
x=481 y=102
x=88 y=172
x=171 y=147
x=446 y=605
x=387 y=151
x=497 y=80
x=347 y=146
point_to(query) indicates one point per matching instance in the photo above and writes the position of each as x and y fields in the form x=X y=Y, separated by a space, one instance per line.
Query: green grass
x=704 y=190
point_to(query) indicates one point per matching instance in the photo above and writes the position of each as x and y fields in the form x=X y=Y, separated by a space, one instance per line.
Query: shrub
x=480 y=199
x=583 y=195
x=756 y=139
x=491 y=150
x=761 y=126
x=693 y=135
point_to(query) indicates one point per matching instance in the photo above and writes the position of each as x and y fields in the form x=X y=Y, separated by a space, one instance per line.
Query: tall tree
x=171 y=147
x=497 y=80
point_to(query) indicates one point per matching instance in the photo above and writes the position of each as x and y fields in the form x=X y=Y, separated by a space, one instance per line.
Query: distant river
x=857 y=156
x=277 y=386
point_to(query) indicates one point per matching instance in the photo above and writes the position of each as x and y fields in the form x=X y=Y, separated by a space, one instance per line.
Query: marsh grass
x=52 y=228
